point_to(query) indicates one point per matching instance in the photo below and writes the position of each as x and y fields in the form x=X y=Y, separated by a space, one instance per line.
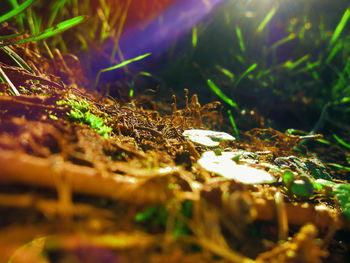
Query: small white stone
x=207 y=137
x=224 y=165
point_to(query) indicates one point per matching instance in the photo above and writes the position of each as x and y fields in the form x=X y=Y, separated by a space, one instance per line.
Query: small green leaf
x=131 y=93
x=146 y=214
x=318 y=187
x=236 y=158
x=53 y=117
x=288 y=177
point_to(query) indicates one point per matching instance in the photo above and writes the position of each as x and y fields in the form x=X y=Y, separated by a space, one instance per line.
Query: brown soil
x=70 y=194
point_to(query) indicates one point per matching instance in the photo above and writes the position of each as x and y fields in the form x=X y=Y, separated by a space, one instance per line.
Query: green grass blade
x=104 y=15
x=12 y=36
x=16 y=11
x=194 y=37
x=233 y=123
x=13 y=89
x=323 y=141
x=226 y=72
x=52 y=31
x=267 y=19
x=315 y=75
x=245 y=73
x=16 y=58
x=20 y=17
x=334 y=51
x=340 y=26
x=120 y=65
x=124 y=63
x=292 y=65
x=240 y=39
x=347 y=69
x=338 y=166
x=146 y=74
x=283 y=41
x=341 y=142
x=323 y=32
x=309 y=66
x=262 y=73
x=219 y=93
x=57 y=6
x=34 y=21
x=132 y=84
x=240 y=58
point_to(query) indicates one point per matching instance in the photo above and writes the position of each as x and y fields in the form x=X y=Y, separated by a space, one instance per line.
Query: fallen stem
x=22 y=168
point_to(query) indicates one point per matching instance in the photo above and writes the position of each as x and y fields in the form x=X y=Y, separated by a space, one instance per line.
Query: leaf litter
x=144 y=186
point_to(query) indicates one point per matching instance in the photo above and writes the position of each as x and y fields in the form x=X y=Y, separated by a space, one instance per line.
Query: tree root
x=22 y=168
x=140 y=187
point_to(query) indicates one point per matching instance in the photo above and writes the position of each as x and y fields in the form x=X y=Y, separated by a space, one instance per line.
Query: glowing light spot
x=293 y=21
x=194 y=37
x=249 y=14
x=287 y=63
x=307 y=25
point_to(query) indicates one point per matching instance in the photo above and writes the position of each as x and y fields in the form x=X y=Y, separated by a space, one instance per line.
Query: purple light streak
x=168 y=26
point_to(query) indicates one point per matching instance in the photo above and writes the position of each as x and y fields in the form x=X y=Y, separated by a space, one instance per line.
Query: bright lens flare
x=172 y=23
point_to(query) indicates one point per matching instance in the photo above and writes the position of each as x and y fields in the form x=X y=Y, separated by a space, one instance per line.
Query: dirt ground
x=90 y=178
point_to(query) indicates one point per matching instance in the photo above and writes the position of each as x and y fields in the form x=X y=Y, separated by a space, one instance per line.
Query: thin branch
x=13 y=88
x=22 y=168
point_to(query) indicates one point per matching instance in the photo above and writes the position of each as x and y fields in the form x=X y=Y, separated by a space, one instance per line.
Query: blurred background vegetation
x=300 y=67
x=286 y=61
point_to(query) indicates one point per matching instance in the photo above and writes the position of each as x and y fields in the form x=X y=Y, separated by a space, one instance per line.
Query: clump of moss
x=81 y=111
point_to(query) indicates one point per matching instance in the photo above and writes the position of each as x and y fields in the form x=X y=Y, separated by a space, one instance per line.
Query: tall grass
x=292 y=50
x=260 y=51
